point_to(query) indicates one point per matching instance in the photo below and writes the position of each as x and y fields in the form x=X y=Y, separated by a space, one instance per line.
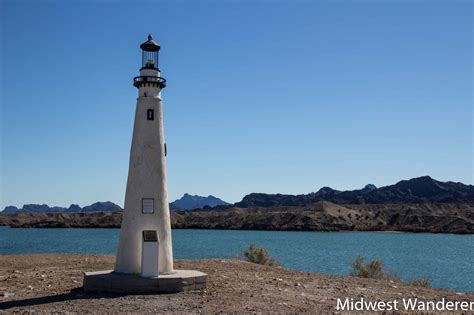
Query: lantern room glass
x=149 y=59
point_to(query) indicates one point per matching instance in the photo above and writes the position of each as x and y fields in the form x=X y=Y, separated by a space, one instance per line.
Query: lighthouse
x=146 y=207
x=144 y=261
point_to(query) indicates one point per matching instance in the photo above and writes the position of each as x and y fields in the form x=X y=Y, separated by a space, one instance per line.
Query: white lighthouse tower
x=144 y=262
x=146 y=198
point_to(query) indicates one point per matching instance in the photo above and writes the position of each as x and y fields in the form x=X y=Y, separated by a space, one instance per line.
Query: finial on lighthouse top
x=150 y=44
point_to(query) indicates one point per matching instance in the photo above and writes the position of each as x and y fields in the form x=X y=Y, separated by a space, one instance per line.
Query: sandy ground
x=52 y=283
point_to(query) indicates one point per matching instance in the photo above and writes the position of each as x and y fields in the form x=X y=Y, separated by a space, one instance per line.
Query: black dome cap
x=150 y=44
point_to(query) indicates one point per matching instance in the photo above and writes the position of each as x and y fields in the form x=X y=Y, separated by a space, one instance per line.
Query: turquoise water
x=447 y=259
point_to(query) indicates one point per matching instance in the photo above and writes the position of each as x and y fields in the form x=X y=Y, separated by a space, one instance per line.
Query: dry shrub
x=259 y=255
x=373 y=269
x=422 y=282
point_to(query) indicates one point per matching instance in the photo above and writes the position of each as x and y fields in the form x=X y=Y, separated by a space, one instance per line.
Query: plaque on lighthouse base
x=109 y=281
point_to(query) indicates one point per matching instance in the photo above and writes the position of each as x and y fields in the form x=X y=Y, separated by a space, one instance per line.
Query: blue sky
x=262 y=96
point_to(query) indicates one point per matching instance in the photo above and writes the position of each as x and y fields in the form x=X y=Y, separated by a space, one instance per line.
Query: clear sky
x=262 y=96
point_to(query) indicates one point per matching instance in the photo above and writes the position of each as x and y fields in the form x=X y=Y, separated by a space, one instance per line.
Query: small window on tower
x=150 y=114
x=147 y=205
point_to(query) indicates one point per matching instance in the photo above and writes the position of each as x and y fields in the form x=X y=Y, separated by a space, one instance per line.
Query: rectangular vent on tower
x=147 y=205
x=150 y=114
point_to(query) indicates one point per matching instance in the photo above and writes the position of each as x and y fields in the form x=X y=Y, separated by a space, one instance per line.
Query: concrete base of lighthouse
x=108 y=281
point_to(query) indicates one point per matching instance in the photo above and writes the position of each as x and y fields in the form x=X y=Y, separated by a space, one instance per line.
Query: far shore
x=222 y=229
x=320 y=216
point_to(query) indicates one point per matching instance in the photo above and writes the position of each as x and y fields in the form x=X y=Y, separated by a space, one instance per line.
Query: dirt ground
x=52 y=283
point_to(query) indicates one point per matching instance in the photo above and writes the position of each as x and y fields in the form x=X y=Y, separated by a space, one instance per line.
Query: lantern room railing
x=159 y=81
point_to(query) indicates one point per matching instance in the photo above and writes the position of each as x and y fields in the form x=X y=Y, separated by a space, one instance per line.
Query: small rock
x=6 y=294
x=30 y=287
x=297 y=284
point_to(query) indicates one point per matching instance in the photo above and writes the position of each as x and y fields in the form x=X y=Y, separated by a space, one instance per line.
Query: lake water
x=447 y=259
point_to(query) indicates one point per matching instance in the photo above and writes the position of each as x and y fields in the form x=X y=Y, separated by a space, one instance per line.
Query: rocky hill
x=417 y=190
x=189 y=202
x=327 y=216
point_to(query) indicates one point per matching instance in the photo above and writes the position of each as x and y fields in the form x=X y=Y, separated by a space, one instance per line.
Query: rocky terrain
x=326 y=216
x=52 y=283
x=318 y=216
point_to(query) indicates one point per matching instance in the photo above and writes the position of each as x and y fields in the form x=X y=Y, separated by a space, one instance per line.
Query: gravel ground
x=52 y=283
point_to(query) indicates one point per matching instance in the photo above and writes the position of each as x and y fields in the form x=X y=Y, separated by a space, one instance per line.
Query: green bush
x=374 y=269
x=259 y=255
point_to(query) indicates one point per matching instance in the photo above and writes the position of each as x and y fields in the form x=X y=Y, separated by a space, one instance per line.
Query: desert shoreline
x=52 y=283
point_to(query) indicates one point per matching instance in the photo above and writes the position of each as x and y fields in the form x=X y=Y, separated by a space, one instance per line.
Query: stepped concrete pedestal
x=108 y=281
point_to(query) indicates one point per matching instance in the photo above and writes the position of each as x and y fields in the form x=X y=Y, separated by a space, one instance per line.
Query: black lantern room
x=150 y=50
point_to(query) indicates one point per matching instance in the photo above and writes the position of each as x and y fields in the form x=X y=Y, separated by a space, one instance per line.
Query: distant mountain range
x=187 y=202
x=106 y=206
x=416 y=190
x=190 y=202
